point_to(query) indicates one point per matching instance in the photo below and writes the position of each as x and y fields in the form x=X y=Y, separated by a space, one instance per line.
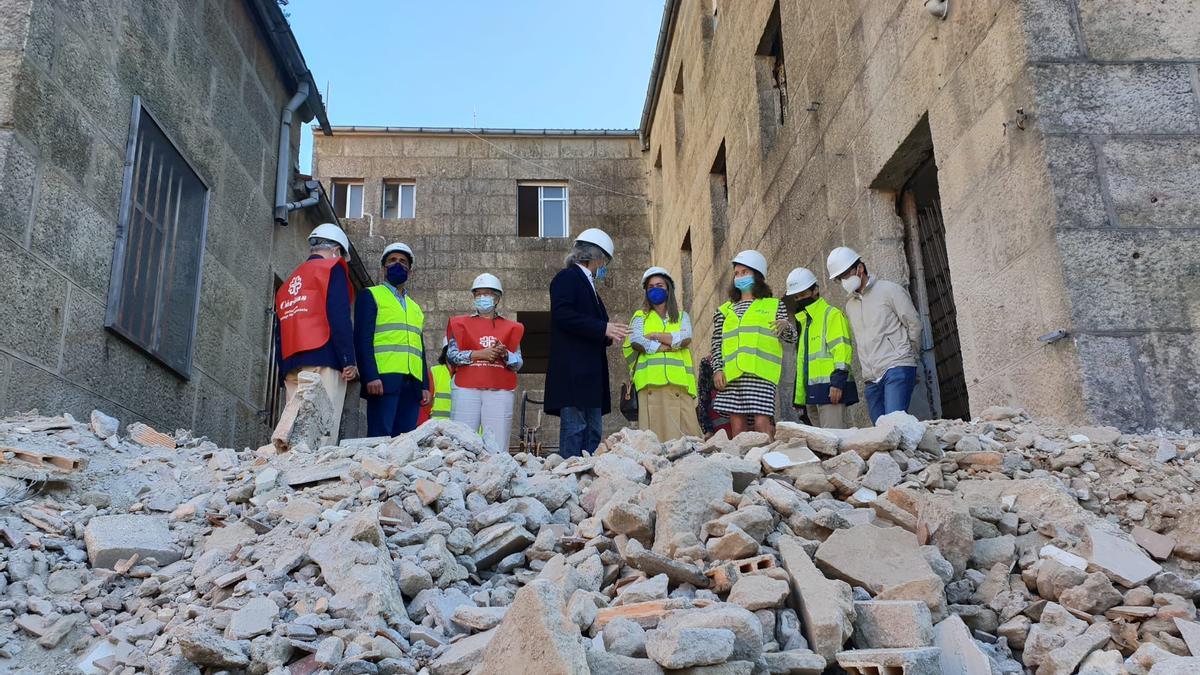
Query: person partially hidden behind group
x=660 y=362
x=484 y=349
x=747 y=353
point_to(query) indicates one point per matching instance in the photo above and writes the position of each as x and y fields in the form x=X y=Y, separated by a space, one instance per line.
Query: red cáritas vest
x=476 y=332
x=300 y=305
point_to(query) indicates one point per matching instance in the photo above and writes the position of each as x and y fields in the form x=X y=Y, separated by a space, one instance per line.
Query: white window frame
x=343 y=209
x=399 y=183
x=542 y=199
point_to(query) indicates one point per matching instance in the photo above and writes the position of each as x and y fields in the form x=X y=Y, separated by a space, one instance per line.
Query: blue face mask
x=397 y=274
x=656 y=296
x=602 y=272
x=485 y=304
x=745 y=283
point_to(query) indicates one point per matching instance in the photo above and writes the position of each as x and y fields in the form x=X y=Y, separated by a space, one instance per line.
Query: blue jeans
x=394 y=413
x=578 y=431
x=892 y=392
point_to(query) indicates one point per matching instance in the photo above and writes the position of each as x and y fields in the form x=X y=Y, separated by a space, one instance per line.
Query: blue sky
x=511 y=63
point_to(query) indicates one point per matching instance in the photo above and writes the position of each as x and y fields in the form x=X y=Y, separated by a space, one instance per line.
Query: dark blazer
x=577 y=376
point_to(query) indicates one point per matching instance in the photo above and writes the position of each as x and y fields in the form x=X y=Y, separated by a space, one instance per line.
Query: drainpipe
x=313 y=198
x=282 y=206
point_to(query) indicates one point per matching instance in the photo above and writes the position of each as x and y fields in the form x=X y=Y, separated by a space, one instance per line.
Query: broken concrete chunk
x=758 y=591
x=203 y=647
x=867 y=442
x=959 y=653
x=356 y=564
x=684 y=495
x=890 y=624
x=687 y=647
x=922 y=661
x=536 y=635
x=1119 y=558
x=873 y=557
x=256 y=617
x=825 y=605
x=113 y=538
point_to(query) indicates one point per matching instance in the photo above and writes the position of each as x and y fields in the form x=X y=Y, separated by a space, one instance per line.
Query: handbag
x=629 y=403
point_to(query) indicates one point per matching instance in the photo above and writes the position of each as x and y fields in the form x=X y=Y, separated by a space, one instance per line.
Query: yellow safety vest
x=663 y=367
x=397 y=339
x=441 y=388
x=826 y=332
x=749 y=344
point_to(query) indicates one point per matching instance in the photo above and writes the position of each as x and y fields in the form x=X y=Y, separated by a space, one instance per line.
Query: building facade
x=507 y=202
x=139 y=147
x=1028 y=169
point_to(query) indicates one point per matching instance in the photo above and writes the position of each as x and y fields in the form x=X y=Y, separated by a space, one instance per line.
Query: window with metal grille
x=348 y=198
x=154 y=292
x=399 y=199
x=542 y=210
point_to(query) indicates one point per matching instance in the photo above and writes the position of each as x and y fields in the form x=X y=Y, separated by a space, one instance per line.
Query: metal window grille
x=154 y=292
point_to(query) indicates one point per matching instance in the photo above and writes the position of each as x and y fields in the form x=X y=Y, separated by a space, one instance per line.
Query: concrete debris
x=988 y=546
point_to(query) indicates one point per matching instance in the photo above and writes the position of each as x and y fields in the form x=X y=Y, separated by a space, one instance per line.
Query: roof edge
x=282 y=42
x=465 y=131
x=666 y=32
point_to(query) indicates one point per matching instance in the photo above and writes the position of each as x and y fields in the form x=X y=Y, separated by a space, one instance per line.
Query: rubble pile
x=999 y=545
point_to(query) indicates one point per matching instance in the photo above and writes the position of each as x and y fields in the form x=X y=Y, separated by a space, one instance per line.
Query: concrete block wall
x=68 y=74
x=466 y=221
x=1118 y=102
x=862 y=76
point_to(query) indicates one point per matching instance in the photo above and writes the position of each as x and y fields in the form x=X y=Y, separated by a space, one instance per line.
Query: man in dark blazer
x=580 y=334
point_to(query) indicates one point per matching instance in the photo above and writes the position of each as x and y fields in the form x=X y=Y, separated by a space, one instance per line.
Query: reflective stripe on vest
x=397 y=339
x=829 y=352
x=441 y=392
x=749 y=345
x=663 y=367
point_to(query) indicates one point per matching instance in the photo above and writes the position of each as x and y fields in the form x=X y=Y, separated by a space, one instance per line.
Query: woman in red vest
x=485 y=350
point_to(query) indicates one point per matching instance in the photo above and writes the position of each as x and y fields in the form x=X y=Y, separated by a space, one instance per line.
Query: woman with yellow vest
x=660 y=361
x=485 y=350
x=747 y=349
x=442 y=377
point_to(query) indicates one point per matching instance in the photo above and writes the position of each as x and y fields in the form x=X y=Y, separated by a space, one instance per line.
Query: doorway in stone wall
x=920 y=207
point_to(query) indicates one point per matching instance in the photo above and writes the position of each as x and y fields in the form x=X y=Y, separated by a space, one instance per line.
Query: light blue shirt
x=637 y=334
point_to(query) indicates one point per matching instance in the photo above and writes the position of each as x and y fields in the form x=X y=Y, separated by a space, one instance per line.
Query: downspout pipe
x=282 y=171
x=313 y=198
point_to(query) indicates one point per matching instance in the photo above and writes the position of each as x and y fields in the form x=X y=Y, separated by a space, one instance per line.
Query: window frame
x=542 y=199
x=116 y=282
x=342 y=210
x=398 y=183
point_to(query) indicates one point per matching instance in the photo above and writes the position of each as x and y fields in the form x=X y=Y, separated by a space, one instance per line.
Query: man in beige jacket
x=887 y=332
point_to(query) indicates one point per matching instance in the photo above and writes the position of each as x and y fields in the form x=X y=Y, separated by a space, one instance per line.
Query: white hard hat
x=594 y=235
x=656 y=271
x=398 y=246
x=333 y=233
x=752 y=259
x=841 y=259
x=486 y=280
x=800 y=280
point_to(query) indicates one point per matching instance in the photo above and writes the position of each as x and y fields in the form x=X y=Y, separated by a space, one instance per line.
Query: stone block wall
x=1118 y=101
x=68 y=74
x=862 y=77
x=466 y=221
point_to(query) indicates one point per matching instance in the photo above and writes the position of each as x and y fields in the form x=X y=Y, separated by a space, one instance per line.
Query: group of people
x=473 y=381
x=476 y=375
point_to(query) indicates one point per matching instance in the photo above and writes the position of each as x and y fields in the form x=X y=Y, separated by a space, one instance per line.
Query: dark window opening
x=275 y=391
x=154 y=292
x=535 y=344
x=718 y=188
x=678 y=99
x=771 y=76
x=542 y=210
x=708 y=22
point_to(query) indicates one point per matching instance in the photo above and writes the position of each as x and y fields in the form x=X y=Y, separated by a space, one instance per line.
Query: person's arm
x=637 y=336
x=566 y=316
x=840 y=349
x=424 y=368
x=788 y=334
x=515 y=360
x=718 y=363
x=681 y=338
x=337 y=309
x=909 y=316
x=455 y=355
x=364 y=336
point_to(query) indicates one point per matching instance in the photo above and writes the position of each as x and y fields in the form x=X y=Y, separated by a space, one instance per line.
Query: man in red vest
x=313 y=309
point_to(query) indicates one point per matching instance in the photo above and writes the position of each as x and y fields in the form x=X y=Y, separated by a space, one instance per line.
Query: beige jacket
x=887 y=328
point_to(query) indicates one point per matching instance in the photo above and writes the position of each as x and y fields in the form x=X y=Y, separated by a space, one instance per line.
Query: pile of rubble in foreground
x=994 y=546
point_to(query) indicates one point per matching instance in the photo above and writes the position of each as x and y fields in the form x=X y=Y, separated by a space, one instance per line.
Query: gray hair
x=583 y=252
x=318 y=244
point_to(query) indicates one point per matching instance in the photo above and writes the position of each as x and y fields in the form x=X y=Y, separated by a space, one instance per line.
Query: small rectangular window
x=154 y=291
x=348 y=198
x=677 y=98
x=543 y=210
x=771 y=76
x=399 y=199
x=718 y=190
x=535 y=344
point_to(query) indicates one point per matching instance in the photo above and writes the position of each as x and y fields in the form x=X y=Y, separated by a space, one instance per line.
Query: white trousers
x=489 y=410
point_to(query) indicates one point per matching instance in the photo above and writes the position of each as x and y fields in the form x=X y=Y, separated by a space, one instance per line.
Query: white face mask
x=851 y=284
